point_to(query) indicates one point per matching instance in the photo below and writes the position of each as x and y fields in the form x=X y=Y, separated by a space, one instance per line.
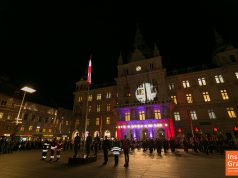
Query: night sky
x=47 y=45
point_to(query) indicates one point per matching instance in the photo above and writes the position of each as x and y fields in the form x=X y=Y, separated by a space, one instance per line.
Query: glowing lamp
x=215 y=129
x=235 y=129
x=179 y=130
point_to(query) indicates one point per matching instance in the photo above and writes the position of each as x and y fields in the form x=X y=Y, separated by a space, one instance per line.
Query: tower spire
x=156 y=50
x=138 y=43
x=120 y=59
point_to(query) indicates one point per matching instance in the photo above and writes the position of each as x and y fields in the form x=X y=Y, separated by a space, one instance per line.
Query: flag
x=89 y=72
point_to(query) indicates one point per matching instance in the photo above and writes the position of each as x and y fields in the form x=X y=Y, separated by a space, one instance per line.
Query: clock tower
x=143 y=108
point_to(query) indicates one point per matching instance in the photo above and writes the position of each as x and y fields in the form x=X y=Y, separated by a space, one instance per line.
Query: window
x=193 y=115
x=189 y=98
x=107 y=120
x=90 y=97
x=97 y=120
x=4 y=103
x=211 y=114
x=98 y=108
x=108 y=107
x=127 y=116
x=142 y=115
x=22 y=128
x=50 y=130
x=37 y=129
x=43 y=130
x=206 y=96
x=231 y=113
x=30 y=128
x=88 y=122
x=224 y=95
x=219 y=79
x=99 y=96
x=174 y=99
x=108 y=96
x=176 y=116
x=157 y=114
x=89 y=108
x=171 y=86
x=186 y=84
x=66 y=122
x=1 y=115
x=201 y=81
x=80 y=99
x=236 y=75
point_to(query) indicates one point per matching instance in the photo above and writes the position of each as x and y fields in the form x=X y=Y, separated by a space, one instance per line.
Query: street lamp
x=26 y=90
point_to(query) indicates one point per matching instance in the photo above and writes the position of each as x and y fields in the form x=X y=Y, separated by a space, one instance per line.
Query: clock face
x=146 y=92
x=138 y=68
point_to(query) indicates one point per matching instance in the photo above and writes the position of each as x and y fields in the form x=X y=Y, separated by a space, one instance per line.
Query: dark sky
x=48 y=44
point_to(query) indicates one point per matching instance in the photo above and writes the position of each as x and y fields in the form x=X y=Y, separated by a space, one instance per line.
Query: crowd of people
x=53 y=148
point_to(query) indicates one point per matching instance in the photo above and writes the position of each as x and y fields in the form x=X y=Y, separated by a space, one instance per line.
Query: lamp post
x=26 y=90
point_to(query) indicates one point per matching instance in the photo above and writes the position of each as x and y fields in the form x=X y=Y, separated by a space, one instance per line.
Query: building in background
x=147 y=101
x=37 y=121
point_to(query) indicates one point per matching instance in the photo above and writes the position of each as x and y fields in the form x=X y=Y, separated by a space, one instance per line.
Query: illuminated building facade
x=37 y=121
x=147 y=101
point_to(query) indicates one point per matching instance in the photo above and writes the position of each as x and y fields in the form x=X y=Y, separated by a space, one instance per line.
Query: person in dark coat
x=106 y=145
x=126 y=149
x=89 y=141
x=77 y=141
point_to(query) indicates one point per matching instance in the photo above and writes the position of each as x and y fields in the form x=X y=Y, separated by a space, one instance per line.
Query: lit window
x=219 y=79
x=174 y=99
x=171 y=86
x=201 y=81
x=189 y=98
x=89 y=108
x=90 y=97
x=98 y=108
x=80 y=99
x=224 y=95
x=66 y=122
x=1 y=115
x=231 y=113
x=99 y=96
x=142 y=115
x=107 y=120
x=186 y=84
x=22 y=129
x=43 y=130
x=108 y=95
x=108 y=107
x=157 y=114
x=206 y=96
x=193 y=115
x=9 y=117
x=30 y=128
x=236 y=75
x=97 y=120
x=88 y=122
x=176 y=116
x=211 y=114
x=127 y=116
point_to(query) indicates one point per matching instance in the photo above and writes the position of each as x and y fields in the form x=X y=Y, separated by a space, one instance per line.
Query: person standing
x=96 y=142
x=106 y=145
x=45 y=149
x=88 y=144
x=53 y=146
x=126 y=149
x=77 y=141
x=59 y=148
x=116 y=151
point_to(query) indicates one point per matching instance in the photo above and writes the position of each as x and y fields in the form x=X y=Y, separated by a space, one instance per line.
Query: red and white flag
x=89 y=81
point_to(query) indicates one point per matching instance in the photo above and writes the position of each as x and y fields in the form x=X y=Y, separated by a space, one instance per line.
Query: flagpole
x=88 y=84
x=86 y=118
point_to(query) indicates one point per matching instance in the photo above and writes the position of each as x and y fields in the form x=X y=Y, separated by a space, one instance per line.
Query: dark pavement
x=27 y=164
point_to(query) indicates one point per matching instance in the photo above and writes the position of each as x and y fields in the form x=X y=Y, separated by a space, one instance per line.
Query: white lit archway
x=107 y=133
